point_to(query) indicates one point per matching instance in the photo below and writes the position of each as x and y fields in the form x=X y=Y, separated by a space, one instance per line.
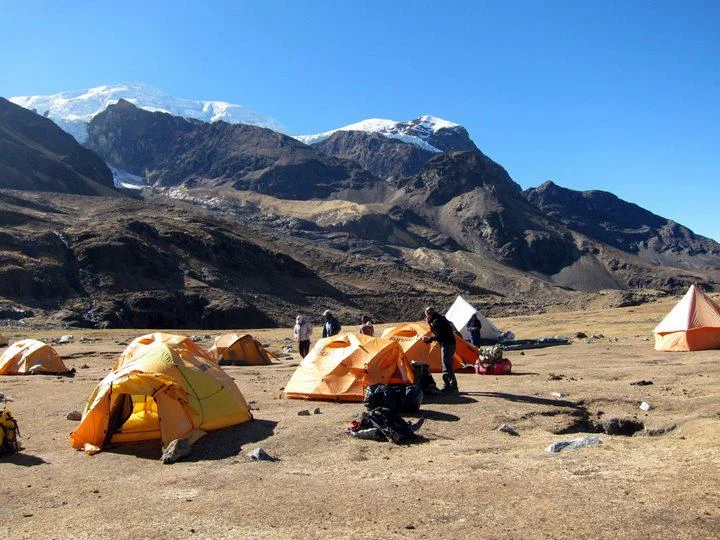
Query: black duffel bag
x=396 y=397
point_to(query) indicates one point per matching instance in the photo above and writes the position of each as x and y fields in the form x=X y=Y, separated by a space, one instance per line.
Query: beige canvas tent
x=692 y=325
x=459 y=314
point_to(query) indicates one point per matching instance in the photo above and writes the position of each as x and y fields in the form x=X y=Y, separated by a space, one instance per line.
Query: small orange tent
x=342 y=366
x=31 y=357
x=164 y=390
x=236 y=350
x=692 y=325
x=409 y=337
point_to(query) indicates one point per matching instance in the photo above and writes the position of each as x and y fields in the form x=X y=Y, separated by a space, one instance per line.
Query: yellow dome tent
x=31 y=357
x=172 y=340
x=163 y=390
x=409 y=337
x=239 y=350
x=692 y=325
x=342 y=366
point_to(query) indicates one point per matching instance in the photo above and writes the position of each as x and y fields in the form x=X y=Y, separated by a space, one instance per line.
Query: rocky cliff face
x=35 y=154
x=473 y=200
x=608 y=219
x=169 y=151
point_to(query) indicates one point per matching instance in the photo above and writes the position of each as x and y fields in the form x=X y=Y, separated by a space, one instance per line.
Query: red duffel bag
x=501 y=367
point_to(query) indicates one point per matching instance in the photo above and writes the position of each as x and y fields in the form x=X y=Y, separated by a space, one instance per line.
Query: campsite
x=463 y=479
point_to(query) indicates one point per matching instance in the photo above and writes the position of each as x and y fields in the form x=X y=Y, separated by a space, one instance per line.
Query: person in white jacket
x=302 y=332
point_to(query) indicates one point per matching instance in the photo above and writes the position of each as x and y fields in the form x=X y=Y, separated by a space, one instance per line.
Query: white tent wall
x=459 y=314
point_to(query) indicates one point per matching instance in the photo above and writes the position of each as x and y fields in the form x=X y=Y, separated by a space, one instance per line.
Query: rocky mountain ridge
x=35 y=154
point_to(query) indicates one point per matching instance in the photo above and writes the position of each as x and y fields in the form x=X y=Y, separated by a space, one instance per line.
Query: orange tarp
x=239 y=350
x=29 y=357
x=342 y=366
x=165 y=387
x=409 y=337
x=692 y=325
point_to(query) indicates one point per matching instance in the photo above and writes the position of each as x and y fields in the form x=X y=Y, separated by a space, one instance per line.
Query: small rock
x=68 y=338
x=84 y=366
x=580 y=335
x=317 y=411
x=558 y=394
x=27 y=515
x=597 y=336
x=645 y=406
x=641 y=383
x=260 y=455
x=304 y=412
x=522 y=353
x=287 y=349
x=74 y=415
x=410 y=526
x=575 y=444
x=507 y=429
x=175 y=450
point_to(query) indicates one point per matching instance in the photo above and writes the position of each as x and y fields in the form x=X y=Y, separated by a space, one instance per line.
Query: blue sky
x=620 y=96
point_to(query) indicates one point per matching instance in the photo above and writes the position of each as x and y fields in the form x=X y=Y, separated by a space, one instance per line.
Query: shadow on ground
x=433 y=415
x=214 y=445
x=519 y=398
x=450 y=399
x=24 y=460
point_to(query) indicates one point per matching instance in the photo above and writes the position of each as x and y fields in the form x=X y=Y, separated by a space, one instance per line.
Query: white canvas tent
x=459 y=314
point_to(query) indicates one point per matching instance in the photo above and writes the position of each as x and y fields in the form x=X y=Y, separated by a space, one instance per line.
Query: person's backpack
x=387 y=422
x=9 y=433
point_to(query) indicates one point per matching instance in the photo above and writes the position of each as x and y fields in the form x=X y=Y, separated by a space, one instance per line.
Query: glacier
x=72 y=111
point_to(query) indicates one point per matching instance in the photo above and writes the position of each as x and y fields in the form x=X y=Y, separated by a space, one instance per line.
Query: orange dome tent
x=164 y=389
x=342 y=366
x=32 y=357
x=409 y=337
x=692 y=325
x=236 y=350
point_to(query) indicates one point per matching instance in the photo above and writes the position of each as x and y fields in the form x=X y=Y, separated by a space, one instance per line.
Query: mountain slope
x=35 y=154
x=626 y=226
x=72 y=111
x=169 y=151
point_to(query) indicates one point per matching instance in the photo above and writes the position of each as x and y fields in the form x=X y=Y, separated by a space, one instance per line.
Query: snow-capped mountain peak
x=419 y=132
x=72 y=111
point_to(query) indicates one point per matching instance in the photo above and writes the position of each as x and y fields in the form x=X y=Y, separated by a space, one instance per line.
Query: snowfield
x=72 y=111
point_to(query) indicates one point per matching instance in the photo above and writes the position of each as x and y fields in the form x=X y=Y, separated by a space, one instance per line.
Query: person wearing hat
x=443 y=332
x=331 y=326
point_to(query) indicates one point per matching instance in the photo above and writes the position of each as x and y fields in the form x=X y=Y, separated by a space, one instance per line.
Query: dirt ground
x=465 y=479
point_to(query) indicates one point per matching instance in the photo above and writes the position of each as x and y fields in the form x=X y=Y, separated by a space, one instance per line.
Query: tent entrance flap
x=136 y=420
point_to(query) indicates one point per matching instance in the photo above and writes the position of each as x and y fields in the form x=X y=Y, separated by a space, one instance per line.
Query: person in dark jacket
x=474 y=326
x=331 y=326
x=443 y=332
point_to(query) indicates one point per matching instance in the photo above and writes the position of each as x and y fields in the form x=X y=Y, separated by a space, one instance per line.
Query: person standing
x=366 y=326
x=331 y=326
x=302 y=332
x=474 y=326
x=443 y=332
